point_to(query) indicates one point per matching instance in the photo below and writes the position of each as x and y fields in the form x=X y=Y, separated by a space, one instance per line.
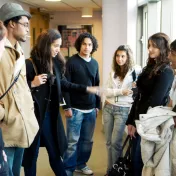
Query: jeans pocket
x=125 y=111
x=106 y=114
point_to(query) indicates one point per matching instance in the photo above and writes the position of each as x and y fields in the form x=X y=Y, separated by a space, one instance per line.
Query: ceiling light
x=53 y=0
x=87 y=12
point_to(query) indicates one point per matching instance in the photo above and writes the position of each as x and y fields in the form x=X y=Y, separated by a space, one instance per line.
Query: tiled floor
x=97 y=161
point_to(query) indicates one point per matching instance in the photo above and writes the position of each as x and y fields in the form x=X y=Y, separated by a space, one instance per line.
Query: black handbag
x=123 y=166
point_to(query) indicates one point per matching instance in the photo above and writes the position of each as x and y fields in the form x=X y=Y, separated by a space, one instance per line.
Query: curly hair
x=162 y=42
x=81 y=38
x=129 y=62
x=42 y=49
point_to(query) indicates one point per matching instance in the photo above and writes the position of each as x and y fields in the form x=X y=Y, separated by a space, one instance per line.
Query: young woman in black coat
x=45 y=78
x=154 y=84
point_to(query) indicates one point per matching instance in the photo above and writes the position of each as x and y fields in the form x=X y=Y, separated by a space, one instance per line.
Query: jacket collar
x=18 y=48
x=20 y=59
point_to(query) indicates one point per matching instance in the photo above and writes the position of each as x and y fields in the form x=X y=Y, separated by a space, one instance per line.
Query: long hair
x=62 y=62
x=160 y=41
x=42 y=49
x=81 y=38
x=128 y=65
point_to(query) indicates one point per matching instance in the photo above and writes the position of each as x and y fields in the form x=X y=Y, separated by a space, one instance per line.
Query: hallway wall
x=74 y=18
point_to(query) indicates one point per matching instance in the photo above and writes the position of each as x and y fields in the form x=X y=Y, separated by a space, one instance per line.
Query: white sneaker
x=86 y=170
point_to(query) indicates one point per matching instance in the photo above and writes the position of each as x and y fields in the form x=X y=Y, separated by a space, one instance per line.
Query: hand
x=131 y=131
x=134 y=85
x=97 y=111
x=127 y=92
x=68 y=113
x=94 y=90
x=39 y=80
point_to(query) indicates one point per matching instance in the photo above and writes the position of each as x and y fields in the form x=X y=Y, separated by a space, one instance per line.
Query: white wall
x=132 y=25
x=153 y=18
x=26 y=45
x=168 y=21
x=119 y=27
x=70 y=18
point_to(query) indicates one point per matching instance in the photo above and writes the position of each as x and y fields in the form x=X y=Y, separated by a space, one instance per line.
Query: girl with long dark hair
x=154 y=84
x=45 y=71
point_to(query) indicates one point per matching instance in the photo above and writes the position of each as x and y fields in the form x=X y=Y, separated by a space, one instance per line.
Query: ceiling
x=65 y=5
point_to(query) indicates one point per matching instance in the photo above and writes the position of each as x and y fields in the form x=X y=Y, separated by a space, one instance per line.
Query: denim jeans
x=80 y=130
x=54 y=159
x=14 y=159
x=114 y=118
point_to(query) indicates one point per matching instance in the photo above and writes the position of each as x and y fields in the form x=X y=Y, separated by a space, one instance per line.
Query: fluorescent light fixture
x=87 y=12
x=53 y=0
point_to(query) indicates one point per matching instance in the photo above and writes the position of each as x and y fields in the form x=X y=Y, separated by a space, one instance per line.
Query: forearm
x=111 y=92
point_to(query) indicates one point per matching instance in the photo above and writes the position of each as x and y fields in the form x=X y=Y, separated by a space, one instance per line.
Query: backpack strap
x=14 y=81
x=34 y=66
x=134 y=76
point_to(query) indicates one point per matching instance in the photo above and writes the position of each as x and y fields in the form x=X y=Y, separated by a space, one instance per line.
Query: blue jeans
x=80 y=130
x=14 y=159
x=54 y=159
x=114 y=118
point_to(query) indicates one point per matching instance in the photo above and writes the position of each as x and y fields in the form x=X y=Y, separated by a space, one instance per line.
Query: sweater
x=112 y=91
x=151 y=91
x=86 y=73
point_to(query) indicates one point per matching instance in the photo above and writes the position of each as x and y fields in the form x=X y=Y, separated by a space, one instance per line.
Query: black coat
x=49 y=96
x=152 y=91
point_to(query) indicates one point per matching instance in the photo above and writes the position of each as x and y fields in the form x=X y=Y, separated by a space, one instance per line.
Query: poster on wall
x=69 y=35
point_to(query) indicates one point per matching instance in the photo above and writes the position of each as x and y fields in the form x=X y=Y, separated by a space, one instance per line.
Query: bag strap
x=134 y=76
x=128 y=151
x=14 y=81
x=34 y=66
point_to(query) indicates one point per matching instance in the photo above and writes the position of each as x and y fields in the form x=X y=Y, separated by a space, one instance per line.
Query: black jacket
x=48 y=97
x=151 y=91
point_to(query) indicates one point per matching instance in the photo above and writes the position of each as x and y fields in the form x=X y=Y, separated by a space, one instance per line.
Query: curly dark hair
x=42 y=49
x=162 y=42
x=128 y=65
x=14 y=19
x=81 y=38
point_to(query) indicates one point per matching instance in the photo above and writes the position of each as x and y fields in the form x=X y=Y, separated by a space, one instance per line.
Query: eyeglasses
x=26 y=25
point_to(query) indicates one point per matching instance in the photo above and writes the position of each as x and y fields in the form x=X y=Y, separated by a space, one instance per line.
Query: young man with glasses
x=18 y=122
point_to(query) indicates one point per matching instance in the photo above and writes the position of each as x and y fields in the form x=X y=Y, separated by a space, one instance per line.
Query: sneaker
x=86 y=170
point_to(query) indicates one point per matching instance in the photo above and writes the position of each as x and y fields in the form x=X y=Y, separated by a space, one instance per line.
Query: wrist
x=32 y=84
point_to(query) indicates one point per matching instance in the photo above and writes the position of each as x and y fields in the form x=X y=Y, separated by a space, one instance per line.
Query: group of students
x=154 y=83
x=29 y=112
x=30 y=109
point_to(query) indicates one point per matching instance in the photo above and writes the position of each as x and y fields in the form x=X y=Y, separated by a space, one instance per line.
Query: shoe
x=86 y=170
